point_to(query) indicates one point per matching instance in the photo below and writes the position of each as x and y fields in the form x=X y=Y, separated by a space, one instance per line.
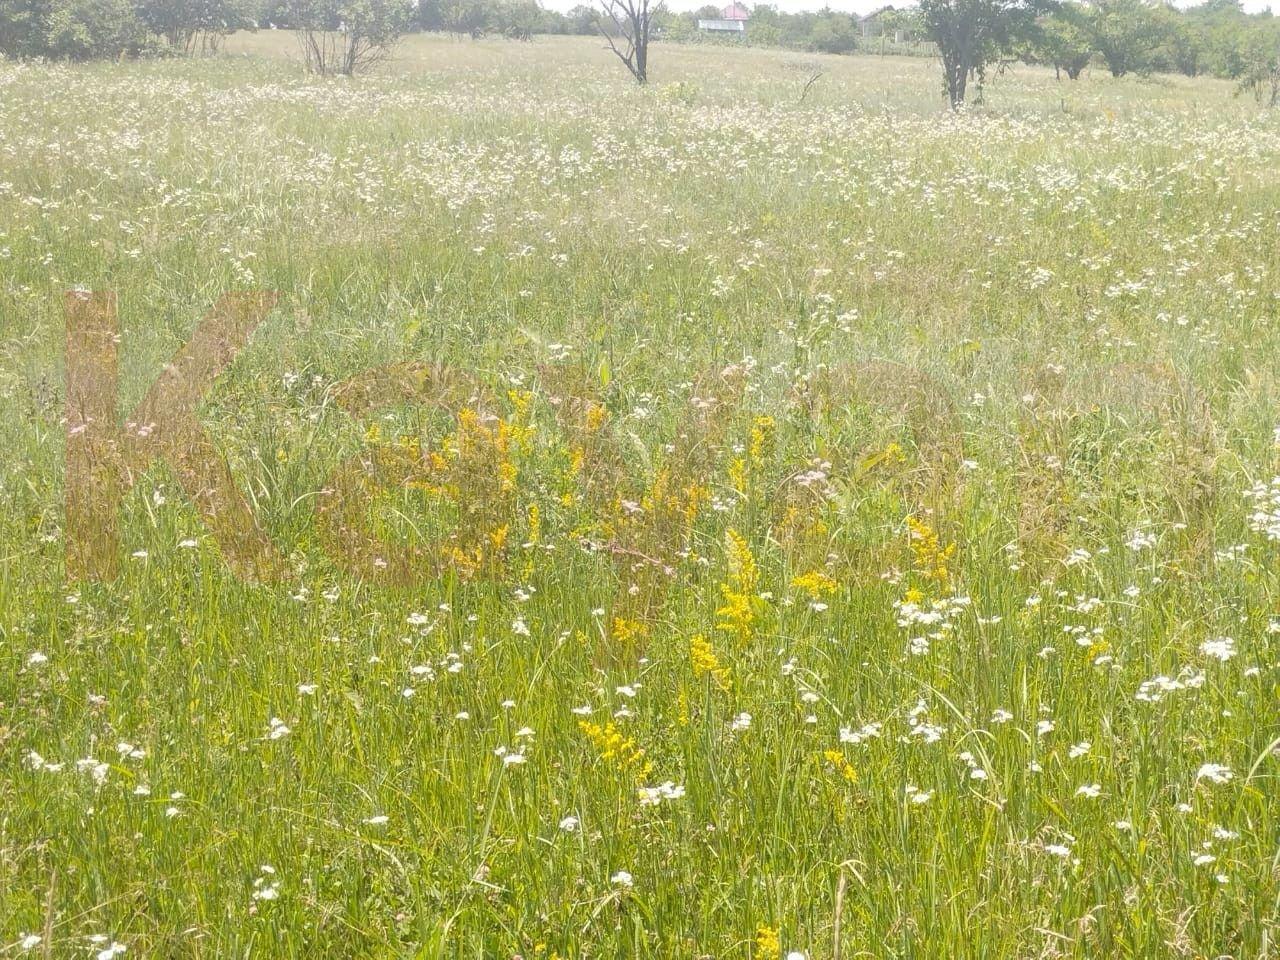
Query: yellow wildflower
x=620 y=752
x=705 y=663
x=624 y=630
x=534 y=518
x=815 y=583
x=840 y=765
x=931 y=558
x=498 y=537
x=768 y=946
x=762 y=432
x=738 y=613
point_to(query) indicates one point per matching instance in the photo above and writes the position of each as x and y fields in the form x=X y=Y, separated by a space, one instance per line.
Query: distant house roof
x=735 y=11
x=874 y=14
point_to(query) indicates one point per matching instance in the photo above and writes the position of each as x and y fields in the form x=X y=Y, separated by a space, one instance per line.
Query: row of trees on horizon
x=1215 y=37
x=93 y=29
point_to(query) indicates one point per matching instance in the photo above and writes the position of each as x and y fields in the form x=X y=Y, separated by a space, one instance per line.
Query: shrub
x=1062 y=39
x=1260 y=75
x=189 y=25
x=24 y=27
x=89 y=29
x=833 y=33
x=348 y=36
x=1127 y=33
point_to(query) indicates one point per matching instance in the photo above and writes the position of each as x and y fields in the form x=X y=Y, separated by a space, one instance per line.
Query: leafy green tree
x=1062 y=39
x=92 y=29
x=517 y=19
x=833 y=33
x=1184 y=46
x=1261 y=74
x=70 y=29
x=429 y=16
x=905 y=22
x=582 y=20
x=1126 y=34
x=188 y=25
x=24 y=27
x=1224 y=29
x=348 y=36
x=973 y=34
x=467 y=18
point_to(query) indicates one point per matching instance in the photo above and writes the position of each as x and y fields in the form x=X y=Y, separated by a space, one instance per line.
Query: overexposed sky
x=852 y=6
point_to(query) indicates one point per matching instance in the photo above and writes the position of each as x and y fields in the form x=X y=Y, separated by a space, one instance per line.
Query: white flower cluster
x=1265 y=499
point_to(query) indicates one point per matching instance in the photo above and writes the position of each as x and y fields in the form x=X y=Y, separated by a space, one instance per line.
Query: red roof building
x=732 y=19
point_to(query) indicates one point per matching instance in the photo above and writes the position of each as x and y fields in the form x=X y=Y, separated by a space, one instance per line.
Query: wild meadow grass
x=836 y=527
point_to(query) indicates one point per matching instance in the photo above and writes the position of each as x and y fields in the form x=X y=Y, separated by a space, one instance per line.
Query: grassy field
x=828 y=526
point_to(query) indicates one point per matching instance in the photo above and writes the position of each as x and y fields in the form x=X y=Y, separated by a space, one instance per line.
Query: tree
x=348 y=36
x=24 y=27
x=582 y=20
x=629 y=31
x=1224 y=29
x=96 y=29
x=1261 y=74
x=91 y=29
x=1062 y=39
x=971 y=35
x=1126 y=33
x=190 y=25
x=466 y=18
x=519 y=19
x=833 y=33
x=904 y=24
x=1183 y=47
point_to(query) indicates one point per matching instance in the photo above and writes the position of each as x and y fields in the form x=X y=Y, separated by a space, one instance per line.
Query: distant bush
x=348 y=36
x=823 y=32
x=1260 y=73
x=516 y=19
x=98 y=29
x=87 y=29
x=1132 y=37
x=195 y=25
x=1062 y=40
x=24 y=28
x=833 y=33
x=1127 y=34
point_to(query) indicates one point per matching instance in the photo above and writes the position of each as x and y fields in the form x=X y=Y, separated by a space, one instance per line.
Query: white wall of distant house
x=848 y=6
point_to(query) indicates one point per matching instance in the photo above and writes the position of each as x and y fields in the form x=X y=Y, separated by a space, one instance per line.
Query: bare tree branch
x=632 y=25
x=809 y=83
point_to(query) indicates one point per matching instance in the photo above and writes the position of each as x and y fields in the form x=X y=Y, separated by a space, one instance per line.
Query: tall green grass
x=1043 y=331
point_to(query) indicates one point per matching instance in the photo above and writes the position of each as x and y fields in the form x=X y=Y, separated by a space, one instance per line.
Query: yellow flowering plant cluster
x=706 y=664
x=759 y=447
x=618 y=751
x=815 y=584
x=839 y=765
x=628 y=632
x=739 y=591
x=931 y=559
x=465 y=483
x=768 y=946
x=763 y=432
